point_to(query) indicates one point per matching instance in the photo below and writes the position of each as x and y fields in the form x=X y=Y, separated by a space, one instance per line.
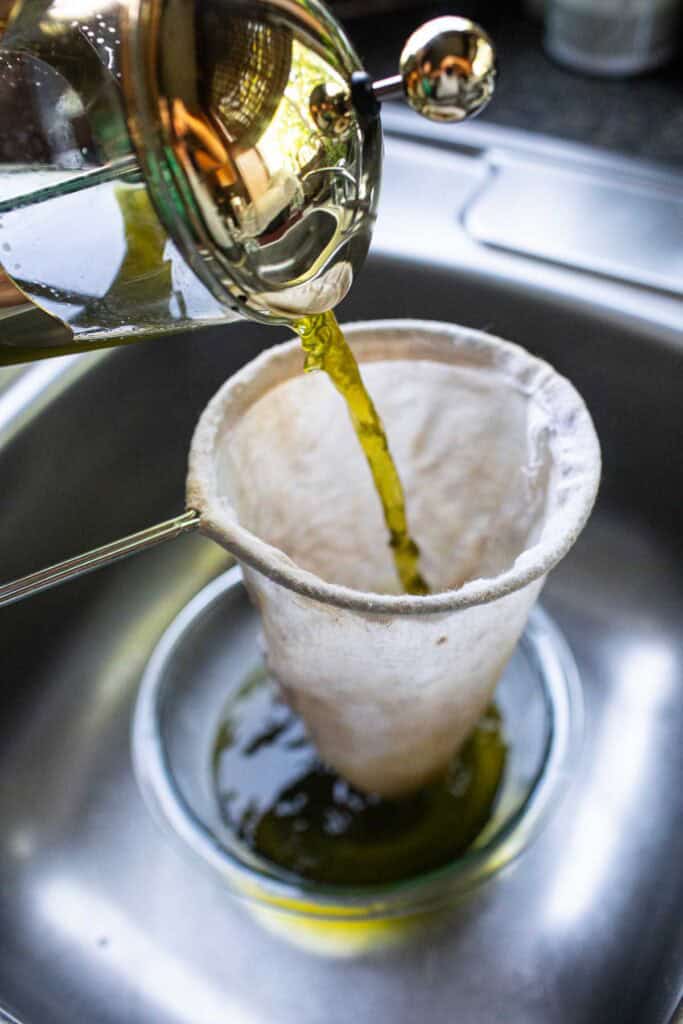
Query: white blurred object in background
x=612 y=37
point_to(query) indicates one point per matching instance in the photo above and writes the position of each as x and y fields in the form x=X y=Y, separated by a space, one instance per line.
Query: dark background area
x=640 y=116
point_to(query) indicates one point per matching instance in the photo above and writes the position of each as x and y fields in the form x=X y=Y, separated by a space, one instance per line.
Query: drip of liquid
x=284 y=804
x=326 y=349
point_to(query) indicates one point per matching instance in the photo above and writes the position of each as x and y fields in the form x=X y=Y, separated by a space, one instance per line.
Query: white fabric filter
x=500 y=466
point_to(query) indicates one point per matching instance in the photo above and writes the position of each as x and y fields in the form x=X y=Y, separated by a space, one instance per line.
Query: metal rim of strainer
x=280 y=890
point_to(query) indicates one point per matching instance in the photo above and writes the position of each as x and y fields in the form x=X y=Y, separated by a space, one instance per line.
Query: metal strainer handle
x=97 y=558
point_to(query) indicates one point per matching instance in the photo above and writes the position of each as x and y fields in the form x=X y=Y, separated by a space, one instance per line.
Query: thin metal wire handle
x=87 y=562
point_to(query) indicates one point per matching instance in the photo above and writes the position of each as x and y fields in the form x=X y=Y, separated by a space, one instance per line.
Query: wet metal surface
x=103 y=919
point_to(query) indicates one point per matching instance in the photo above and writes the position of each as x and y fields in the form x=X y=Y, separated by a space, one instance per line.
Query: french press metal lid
x=168 y=163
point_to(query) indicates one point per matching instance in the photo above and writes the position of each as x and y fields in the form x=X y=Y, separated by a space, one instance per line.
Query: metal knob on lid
x=447 y=72
x=448 y=69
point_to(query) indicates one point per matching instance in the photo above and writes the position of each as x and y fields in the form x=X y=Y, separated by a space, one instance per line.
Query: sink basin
x=102 y=918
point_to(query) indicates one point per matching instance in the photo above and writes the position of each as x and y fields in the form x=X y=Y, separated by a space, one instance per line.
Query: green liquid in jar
x=289 y=808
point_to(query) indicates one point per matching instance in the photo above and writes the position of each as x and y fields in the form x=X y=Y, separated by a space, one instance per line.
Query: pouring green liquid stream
x=326 y=349
x=290 y=808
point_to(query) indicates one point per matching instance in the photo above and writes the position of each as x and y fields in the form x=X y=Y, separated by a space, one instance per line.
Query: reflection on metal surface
x=214 y=107
x=23 y=400
x=9 y=293
x=618 y=593
x=330 y=108
x=448 y=69
x=250 y=130
x=275 y=200
x=64 y=904
x=22 y=842
x=624 y=749
x=617 y=224
x=8 y=1018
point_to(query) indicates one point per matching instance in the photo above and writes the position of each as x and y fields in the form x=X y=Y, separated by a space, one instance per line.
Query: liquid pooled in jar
x=289 y=808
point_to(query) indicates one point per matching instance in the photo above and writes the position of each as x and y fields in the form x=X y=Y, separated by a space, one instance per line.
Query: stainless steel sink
x=102 y=919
